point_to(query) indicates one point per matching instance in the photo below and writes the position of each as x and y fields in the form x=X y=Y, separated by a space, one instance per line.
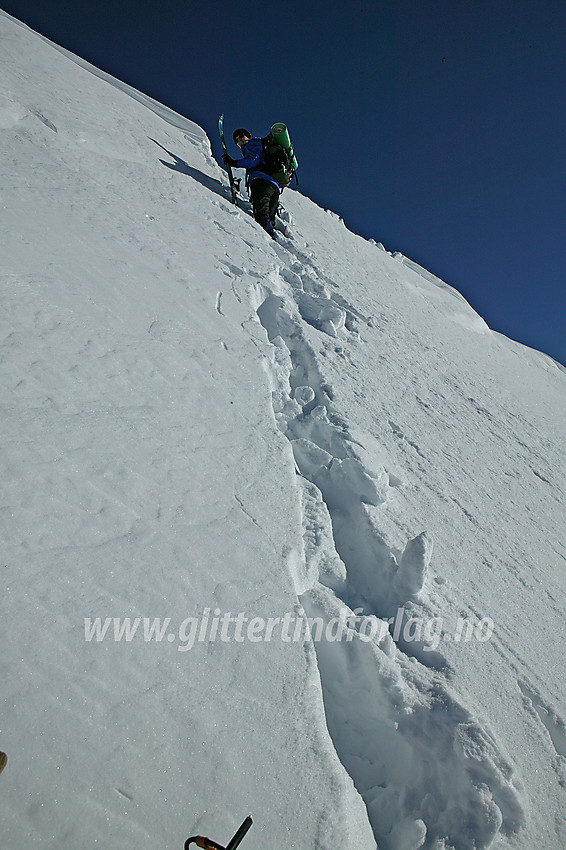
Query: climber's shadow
x=184 y=168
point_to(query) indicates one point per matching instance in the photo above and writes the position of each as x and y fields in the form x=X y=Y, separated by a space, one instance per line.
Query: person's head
x=241 y=136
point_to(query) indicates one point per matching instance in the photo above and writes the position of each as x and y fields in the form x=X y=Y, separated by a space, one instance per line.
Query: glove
x=228 y=159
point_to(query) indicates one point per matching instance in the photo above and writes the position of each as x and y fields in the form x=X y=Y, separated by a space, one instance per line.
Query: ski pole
x=208 y=844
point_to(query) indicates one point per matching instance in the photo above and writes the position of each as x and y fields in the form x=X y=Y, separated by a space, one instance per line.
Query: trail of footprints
x=420 y=760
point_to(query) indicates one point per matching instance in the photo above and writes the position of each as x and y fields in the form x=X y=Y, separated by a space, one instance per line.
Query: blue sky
x=434 y=126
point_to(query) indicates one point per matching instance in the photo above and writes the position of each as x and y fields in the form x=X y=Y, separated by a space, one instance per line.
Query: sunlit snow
x=209 y=437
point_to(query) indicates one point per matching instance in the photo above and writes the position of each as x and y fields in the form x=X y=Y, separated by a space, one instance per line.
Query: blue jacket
x=253 y=159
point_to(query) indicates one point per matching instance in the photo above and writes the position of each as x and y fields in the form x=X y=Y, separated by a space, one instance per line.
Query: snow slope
x=200 y=424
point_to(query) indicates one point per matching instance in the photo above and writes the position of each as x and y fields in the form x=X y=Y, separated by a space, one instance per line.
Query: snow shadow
x=183 y=167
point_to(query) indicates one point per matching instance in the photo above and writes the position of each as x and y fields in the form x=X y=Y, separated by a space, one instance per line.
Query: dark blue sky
x=434 y=126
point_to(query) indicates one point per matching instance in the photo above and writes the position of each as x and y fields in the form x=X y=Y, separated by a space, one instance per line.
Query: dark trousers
x=265 y=200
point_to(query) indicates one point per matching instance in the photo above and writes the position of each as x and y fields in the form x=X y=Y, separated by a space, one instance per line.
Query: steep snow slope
x=200 y=423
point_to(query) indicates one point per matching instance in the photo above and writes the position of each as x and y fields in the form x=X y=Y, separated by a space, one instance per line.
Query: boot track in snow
x=419 y=758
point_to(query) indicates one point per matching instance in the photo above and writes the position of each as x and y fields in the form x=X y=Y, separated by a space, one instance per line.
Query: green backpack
x=279 y=158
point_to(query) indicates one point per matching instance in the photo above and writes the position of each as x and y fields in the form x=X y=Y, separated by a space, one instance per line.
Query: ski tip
x=3 y=761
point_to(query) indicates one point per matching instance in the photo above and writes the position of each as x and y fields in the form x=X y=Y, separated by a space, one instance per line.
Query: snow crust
x=203 y=426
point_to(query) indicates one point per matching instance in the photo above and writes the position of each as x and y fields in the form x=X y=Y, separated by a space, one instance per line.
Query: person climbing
x=264 y=188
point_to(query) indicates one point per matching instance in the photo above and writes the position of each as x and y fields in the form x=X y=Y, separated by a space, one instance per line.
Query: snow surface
x=197 y=422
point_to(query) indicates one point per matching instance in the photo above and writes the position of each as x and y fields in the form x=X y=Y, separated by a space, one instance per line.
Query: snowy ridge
x=198 y=421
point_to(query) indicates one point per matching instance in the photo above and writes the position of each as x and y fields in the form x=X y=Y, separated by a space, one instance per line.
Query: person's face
x=241 y=140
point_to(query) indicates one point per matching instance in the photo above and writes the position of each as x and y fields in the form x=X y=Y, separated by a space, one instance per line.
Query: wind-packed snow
x=209 y=436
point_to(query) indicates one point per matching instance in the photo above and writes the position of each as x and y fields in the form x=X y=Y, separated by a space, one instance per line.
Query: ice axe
x=208 y=844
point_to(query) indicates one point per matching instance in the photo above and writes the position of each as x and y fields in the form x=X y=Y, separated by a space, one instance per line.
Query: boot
x=267 y=226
